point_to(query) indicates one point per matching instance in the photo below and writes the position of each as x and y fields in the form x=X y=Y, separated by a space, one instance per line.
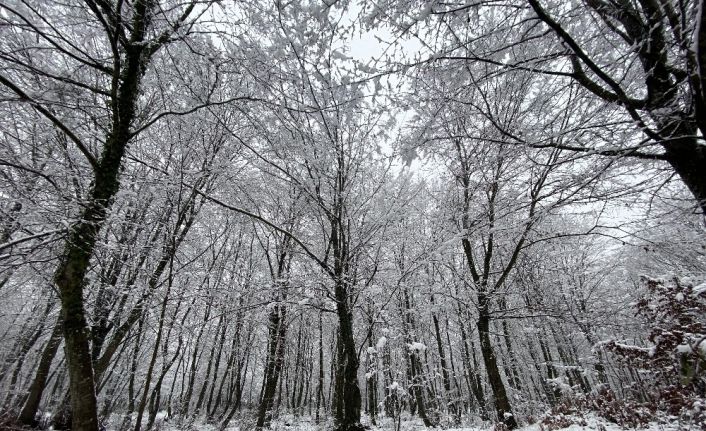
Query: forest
x=352 y=215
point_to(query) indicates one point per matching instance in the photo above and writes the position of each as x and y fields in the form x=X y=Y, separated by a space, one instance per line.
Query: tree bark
x=320 y=386
x=70 y=275
x=348 y=402
x=155 y=351
x=688 y=158
x=472 y=375
x=502 y=403
x=450 y=402
x=34 y=396
x=273 y=366
x=372 y=383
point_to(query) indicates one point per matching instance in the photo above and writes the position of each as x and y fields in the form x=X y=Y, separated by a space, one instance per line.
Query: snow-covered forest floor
x=291 y=423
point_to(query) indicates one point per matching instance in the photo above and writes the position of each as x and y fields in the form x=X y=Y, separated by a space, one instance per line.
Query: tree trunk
x=372 y=379
x=230 y=362
x=473 y=377
x=211 y=357
x=502 y=403
x=155 y=352
x=70 y=275
x=417 y=386
x=320 y=385
x=273 y=366
x=194 y=359
x=214 y=383
x=450 y=402
x=348 y=402
x=24 y=345
x=688 y=158
x=36 y=389
x=133 y=373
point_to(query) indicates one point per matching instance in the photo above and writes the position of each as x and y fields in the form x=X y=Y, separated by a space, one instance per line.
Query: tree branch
x=51 y=117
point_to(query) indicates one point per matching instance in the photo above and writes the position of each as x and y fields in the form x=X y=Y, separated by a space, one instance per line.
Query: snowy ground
x=386 y=424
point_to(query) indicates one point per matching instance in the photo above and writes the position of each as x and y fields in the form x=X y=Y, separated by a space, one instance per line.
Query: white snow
x=417 y=347
x=304 y=423
x=560 y=384
x=381 y=344
x=684 y=348
x=700 y=289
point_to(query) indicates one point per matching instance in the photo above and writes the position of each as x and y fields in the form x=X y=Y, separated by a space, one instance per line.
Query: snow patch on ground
x=593 y=422
x=417 y=347
x=291 y=423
